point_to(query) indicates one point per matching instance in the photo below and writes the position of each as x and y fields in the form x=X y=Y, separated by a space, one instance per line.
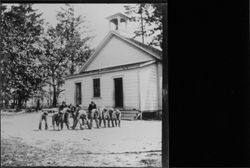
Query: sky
x=95 y=15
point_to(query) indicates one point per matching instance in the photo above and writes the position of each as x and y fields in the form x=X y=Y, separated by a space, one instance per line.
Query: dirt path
x=136 y=143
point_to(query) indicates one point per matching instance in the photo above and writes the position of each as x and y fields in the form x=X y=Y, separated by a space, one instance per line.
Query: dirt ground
x=134 y=144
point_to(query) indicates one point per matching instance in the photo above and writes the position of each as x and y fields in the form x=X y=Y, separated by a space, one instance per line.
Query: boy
x=43 y=117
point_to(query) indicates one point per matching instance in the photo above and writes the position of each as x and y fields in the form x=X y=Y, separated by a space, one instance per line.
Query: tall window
x=96 y=84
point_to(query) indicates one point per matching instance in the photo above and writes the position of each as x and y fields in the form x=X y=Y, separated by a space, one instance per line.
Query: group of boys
x=56 y=117
x=77 y=113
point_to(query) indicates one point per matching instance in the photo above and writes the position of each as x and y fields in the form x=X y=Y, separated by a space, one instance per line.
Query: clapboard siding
x=149 y=90
x=131 y=96
x=159 y=73
x=115 y=53
x=130 y=89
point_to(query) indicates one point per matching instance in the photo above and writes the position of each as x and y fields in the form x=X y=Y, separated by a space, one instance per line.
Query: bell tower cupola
x=118 y=22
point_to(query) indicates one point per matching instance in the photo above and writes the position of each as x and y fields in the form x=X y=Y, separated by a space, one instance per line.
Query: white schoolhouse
x=122 y=73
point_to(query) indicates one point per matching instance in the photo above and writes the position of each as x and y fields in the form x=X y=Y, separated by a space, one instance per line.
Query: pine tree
x=149 y=17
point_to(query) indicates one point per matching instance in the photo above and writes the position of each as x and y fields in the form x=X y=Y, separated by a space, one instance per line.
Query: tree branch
x=59 y=91
x=50 y=83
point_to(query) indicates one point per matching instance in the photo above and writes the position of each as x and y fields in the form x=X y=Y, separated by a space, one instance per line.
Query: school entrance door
x=118 y=92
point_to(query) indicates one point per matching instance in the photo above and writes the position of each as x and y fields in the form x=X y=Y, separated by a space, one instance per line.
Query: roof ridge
x=145 y=46
x=148 y=48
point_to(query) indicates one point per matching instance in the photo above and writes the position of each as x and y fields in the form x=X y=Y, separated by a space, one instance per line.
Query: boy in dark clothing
x=43 y=117
x=56 y=119
x=72 y=110
x=92 y=106
x=75 y=116
x=92 y=110
x=62 y=106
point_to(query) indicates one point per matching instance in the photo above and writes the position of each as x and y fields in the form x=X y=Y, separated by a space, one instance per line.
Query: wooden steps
x=129 y=114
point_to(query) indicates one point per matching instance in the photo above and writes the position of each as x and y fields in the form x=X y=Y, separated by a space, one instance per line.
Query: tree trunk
x=38 y=105
x=25 y=103
x=72 y=70
x=142 y=35
x=2 y=102
x=54 y=97
x=6 y=103
x=19 y=103
x=13 y=104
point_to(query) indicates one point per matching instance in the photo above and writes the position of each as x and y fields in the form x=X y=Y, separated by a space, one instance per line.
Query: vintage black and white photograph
x=81 y=84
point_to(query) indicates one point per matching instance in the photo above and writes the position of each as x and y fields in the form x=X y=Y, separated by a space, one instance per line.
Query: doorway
x=118 y=92
x=78 y=94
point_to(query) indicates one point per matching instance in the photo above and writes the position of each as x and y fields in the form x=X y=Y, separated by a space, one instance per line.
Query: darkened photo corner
x=81 y=84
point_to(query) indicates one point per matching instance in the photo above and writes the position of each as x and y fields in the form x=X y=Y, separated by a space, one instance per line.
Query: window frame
x=96 y=88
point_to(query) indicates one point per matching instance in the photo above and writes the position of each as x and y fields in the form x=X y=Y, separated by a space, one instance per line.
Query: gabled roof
x=147 y=47
x=118 y=14
x=157 y=54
